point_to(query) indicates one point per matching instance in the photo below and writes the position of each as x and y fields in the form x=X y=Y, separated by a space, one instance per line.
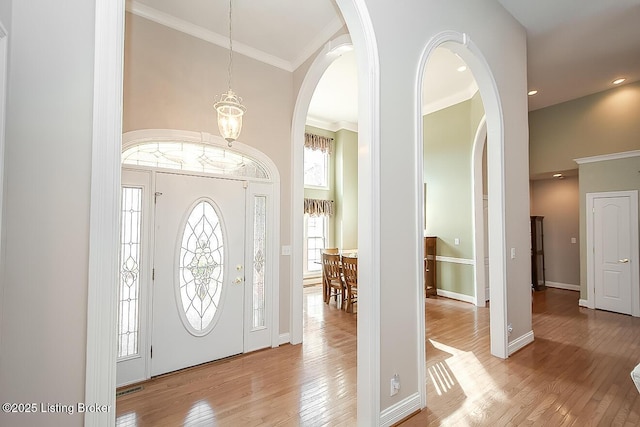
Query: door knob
x=623 y=261
x=238 y=280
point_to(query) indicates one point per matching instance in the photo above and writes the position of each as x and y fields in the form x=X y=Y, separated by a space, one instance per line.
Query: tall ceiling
x=574 y=47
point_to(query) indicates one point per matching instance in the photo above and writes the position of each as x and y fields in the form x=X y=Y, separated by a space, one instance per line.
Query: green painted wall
x=610 y=175
x=346 y=189
x=602 y=123
x=448 y=149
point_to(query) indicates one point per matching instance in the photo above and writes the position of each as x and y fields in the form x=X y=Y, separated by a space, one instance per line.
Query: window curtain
x=317 y=142
x=318 y=207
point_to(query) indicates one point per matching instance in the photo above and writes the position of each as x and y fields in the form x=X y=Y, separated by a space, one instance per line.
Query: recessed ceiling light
x=532 y=92
x=462 y=68
x=557 y=175
x=618 y=81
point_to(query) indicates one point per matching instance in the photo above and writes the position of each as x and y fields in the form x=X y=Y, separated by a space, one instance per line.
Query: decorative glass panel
x=195 y=157
x=259 y=250
x=201 y=266
x=128 y=307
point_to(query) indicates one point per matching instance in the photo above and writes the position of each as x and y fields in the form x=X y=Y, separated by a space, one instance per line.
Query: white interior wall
x=48 y=168
x=401 y=34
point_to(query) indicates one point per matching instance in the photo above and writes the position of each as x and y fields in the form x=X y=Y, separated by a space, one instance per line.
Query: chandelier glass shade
x=230 y=111
x=229 y=107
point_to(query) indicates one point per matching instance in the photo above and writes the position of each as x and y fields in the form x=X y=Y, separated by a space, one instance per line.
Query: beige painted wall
x=611 y=175
x=448 y=152
x=46 y=218
x=602 y=123
x=558 y=201
x=171 y=80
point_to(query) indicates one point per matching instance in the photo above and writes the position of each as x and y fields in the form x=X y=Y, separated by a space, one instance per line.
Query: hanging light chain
x=230 y=45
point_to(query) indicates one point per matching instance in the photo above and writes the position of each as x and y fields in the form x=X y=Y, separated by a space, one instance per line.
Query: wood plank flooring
x=575 y=373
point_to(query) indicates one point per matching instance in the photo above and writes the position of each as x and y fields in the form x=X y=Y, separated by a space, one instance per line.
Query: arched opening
x=461 y=45
x=104 y=215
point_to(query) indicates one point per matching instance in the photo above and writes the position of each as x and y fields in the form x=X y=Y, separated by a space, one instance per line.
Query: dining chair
x=325 y=298
x=350 y=275
x=332 y=278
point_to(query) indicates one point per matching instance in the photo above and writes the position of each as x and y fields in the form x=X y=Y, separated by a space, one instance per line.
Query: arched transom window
x=194 y=157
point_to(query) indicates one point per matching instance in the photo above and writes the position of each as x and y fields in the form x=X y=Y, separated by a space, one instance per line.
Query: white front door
x=612 y=254
x=198 y=292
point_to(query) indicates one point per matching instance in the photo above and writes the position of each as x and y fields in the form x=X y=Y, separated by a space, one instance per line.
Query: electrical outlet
x=395 y=385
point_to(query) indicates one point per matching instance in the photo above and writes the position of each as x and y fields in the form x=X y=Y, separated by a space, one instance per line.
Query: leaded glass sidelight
x=201 y=266
x=259 y=261
x=129 y=302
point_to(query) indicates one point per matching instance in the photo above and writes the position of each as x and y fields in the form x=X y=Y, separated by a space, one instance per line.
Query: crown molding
x=185 y=27
x=456 y=98
x=331 y=126
x=318 y=42
x=604 y=157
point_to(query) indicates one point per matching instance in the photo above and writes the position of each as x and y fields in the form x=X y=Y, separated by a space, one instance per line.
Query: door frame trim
x=590 y=302
x=132 y=138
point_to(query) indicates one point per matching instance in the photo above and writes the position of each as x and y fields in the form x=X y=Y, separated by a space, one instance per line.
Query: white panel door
x=198 y=291
x=612 y=254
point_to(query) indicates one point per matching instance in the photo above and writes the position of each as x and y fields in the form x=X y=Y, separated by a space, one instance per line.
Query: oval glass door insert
x=201 y=267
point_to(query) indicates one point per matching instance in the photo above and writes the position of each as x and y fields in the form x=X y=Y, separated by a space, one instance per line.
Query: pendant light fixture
x=229 y=107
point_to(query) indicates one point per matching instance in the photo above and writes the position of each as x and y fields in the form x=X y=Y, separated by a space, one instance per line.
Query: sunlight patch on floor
x=462 y=375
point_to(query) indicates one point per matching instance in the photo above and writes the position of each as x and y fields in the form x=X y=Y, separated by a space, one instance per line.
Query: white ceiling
x=578 y=47
x=575 y=47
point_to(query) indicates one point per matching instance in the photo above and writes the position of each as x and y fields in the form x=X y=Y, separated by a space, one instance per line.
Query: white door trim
x=104 y=214
x=635 y=257
x=478 y=212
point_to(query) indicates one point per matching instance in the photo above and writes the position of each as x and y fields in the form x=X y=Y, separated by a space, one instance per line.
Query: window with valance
x=318 y=207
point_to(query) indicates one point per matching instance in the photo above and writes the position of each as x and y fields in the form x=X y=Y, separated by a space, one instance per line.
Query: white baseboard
x=566 y=286
x=285 y=338
x=585 y=303
x=400 y=410
x=457 y=296
x=520 y=342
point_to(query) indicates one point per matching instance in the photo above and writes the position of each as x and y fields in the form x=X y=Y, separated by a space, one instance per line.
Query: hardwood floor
x=312 y=384
x=577 y=372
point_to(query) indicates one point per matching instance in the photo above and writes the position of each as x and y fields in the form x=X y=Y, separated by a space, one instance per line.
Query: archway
x=104 y=215
x=461 y=45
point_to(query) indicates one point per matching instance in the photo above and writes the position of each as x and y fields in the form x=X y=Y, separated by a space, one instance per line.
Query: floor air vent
x=128 y=391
